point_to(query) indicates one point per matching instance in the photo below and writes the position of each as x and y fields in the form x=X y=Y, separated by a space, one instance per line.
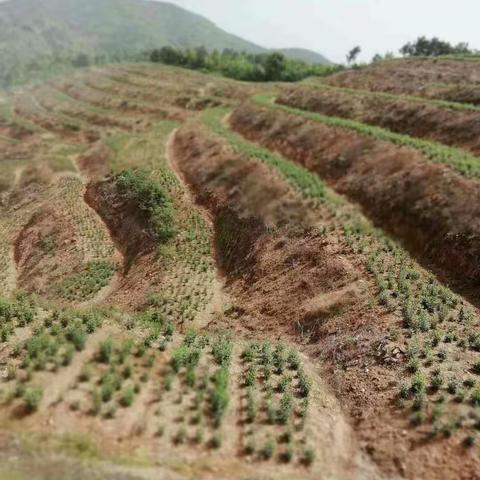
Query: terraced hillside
x=204 y=278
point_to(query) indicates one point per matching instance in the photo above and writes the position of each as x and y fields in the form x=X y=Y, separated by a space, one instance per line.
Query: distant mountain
x=35 y=33
x=305 y=55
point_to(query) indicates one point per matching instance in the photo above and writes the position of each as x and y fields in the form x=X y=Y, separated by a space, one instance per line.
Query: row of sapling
x=404 y=289
x=284 y=396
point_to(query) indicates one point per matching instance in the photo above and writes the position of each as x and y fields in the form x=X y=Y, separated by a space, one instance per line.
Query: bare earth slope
x=209 y=279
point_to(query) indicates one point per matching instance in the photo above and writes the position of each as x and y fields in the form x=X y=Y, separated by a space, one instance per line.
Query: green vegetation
x=151 y=197
x=264 y=67
x=433 y=316
x=99 y=35
x=286 y=405
x=84 y=285
x=462 y=161
x=32 y=397
x=434 y=47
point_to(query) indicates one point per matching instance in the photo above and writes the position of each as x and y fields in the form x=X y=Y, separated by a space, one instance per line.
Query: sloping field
x=454 y=80
x=208 y=279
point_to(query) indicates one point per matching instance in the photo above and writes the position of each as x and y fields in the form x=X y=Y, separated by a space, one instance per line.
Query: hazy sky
x=332 y=27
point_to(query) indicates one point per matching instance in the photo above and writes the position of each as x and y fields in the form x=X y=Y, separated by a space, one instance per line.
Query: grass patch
x=84 y=285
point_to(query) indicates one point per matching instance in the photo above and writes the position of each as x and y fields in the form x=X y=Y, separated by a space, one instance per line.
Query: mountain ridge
x=34 y=33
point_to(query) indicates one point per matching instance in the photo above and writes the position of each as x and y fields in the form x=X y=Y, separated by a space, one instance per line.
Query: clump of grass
x=268 y=449
x=127 y=397
x=220 y=396
x=32 y=397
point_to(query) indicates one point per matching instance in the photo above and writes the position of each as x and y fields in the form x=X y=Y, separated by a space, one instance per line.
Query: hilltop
x=305 y=55
x=36 y=34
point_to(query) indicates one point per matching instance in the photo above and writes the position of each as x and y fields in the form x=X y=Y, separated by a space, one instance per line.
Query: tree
x=171 y=56
x=81 y=60
x=275 y=65
x=353 y=54
x=424 y=47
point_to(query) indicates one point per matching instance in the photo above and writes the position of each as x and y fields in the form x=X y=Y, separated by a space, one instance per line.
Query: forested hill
x=46 y=34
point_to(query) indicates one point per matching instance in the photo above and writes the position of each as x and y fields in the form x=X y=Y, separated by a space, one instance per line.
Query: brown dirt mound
x=454 y=80
x=94 y=163
x=424 y=204
x=129 y=226
x=45 y=251
x=452 y=127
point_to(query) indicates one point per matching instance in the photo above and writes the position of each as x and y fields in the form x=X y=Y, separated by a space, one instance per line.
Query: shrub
x=268 y=449
x=476 y=368
x=85 y=374
x=475 y=397
x=222 y=351
x=220 y=395
x=250 y=447
x=251 y=376
x=304 y=384
x=284 y=383
x=77 y=336
x=293 y=360
x=437 y=380
x=179 y=358
x=286 y=406
x=250 y=352
x=199 y=435
x=191 y=377
x=167 y=383
x=68 y=355
x=106 y=351
x=32 y=396
x=308 y=456
x=418 y=385
x=128 y=395
x=151 y=197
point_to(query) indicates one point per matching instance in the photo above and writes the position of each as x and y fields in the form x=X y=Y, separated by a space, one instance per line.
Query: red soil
x=424 y=204
x=45 y=251
x=459 y=128
x=310 y=287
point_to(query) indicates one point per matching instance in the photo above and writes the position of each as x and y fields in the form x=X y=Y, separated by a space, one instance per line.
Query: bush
x=220 y=395
x=179 y=358
x=32 y=396
x=268 y=449
x=128 y=395
x=151 y=197
x=476 y=368
x=222 y=351
x=286 y=406
x=304 y=384
x=308 y=457
x=251 y=376
x=106 y=351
